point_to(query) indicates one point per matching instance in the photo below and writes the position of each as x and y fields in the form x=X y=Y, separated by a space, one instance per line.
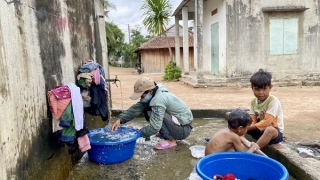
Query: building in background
x=234 y=39
x=154 y=54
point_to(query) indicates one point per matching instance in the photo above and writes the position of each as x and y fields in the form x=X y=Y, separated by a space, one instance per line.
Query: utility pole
x=129 y=32
x=129 y=44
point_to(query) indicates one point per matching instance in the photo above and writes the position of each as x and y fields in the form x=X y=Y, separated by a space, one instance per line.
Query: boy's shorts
x=256 y=134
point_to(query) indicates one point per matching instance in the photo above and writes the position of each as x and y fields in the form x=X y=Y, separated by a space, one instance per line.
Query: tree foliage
x=171 y=72
x=157 y=13
x=115 y=40
x=107 y=7
x=127 y=51
x=137 y=38
x=117 y=47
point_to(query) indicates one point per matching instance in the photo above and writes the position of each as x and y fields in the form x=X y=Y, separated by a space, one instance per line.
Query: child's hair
x=261 y=79
x=239 y=117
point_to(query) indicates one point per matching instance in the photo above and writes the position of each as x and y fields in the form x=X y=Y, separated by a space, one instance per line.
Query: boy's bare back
x=224 y=140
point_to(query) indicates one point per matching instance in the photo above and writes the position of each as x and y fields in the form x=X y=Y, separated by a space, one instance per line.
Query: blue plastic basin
x=115 y=147
x=241 y=164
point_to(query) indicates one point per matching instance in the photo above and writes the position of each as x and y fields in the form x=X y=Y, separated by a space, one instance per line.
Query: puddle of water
x=149 y=164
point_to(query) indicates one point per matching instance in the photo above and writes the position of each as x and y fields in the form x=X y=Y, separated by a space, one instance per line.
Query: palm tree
x=107 y=7
x=157 y=13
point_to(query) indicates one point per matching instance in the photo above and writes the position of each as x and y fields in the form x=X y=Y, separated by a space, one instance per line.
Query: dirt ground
x=301 y=104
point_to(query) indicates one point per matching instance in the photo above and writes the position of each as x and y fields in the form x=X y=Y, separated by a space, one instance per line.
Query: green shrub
x=113 y=63
x=171 y=73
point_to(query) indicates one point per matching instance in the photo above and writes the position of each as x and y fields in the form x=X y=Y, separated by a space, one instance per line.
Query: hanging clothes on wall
x=94 y=95
x=98 y=101
x=77 y=105
x=67 y=107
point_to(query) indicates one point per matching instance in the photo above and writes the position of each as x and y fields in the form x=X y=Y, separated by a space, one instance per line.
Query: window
x=283 y=36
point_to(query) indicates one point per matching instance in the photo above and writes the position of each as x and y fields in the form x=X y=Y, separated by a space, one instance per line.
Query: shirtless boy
x=231 y=138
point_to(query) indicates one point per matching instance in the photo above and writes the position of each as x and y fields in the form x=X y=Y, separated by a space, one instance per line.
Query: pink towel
x=84 y=143
x=57 y=106
x=96 y=76
x=61 y=92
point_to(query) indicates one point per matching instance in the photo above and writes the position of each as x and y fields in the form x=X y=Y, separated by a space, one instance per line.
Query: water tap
x=114 y=81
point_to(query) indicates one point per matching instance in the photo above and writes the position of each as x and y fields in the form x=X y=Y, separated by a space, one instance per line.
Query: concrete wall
x=41 y=40
x=248 y=39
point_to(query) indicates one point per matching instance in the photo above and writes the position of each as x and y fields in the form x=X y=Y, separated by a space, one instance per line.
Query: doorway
x=215 y=49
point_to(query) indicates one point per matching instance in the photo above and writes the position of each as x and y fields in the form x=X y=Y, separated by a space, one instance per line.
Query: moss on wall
x=41 y=155
x=81 y=14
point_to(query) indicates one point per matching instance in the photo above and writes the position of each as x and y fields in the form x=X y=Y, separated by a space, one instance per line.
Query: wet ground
x=148 y=164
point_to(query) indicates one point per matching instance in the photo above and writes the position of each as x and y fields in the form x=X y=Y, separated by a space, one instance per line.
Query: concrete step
x=213 y=81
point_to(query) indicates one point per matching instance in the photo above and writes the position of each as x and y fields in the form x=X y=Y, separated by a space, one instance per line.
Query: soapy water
x=104 y=135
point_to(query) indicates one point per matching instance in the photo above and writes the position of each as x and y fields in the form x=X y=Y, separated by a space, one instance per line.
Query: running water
x=121 y=95
x=108 y=99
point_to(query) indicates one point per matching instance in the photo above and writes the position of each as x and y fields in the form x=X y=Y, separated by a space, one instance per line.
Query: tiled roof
x=161 y=42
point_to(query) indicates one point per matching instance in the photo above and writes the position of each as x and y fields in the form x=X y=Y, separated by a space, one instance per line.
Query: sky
x=128 y=12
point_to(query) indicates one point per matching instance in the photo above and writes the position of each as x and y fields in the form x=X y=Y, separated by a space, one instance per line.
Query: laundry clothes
x=82 y=83
x=84 y=143
x=73 y=139
x=61 y=92
x=57 y=106
x=68 y=125
x=85 y=79
x=67 y=122
x=84 y=75
x=98 y=101
x=95 y=101
x=77 y=105
x=67 y=117
x=96 y=76
x=68 y=133
x=86 y=98
x=90 y=66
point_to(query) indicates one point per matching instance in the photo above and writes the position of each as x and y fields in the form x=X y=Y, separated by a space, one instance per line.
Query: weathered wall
x=248 y=39
x=208 y=20
x=41 y=39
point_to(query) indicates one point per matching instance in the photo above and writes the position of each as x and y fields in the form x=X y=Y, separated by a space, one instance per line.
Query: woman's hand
x=115 y=125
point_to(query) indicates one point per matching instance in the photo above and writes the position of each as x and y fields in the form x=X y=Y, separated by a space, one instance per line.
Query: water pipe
x=113 y=80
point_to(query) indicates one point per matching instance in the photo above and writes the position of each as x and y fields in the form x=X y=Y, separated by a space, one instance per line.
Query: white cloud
x=129 y=12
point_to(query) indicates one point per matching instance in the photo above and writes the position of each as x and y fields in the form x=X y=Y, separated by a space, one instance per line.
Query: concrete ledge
x=197 y=113
x=116 y=112
x=298 y=167
x=209 y=113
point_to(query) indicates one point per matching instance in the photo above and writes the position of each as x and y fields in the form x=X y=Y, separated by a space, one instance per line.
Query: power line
x=118 y=21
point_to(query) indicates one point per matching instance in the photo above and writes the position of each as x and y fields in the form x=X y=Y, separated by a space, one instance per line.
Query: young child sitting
x=230 y=138
x=266 y=111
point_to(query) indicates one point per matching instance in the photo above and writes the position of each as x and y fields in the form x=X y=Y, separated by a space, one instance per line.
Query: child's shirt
x=267 y=113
